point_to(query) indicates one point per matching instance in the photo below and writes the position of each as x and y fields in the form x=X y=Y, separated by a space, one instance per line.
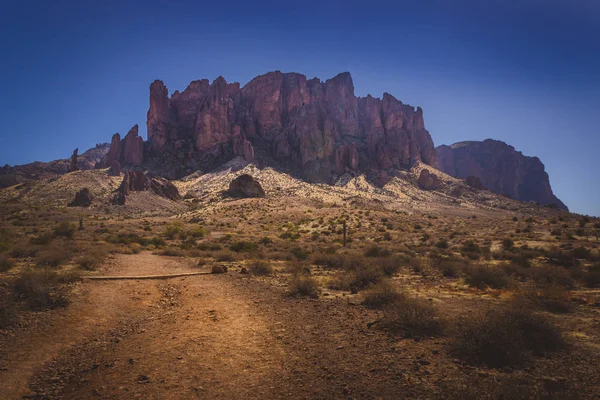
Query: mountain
x=12 y=175
x=500 y=168
x=317 y=130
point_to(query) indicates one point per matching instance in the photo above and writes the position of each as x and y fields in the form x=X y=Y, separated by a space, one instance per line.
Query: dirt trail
x=187 y=337
x=226 y=336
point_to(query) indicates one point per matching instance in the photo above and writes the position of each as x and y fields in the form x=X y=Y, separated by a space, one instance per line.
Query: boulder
x=245 y=186
x=428 y=180
x=83 y=198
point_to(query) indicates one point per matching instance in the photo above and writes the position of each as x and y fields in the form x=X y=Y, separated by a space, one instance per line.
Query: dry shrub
x=301 y=285
x=24 y=251
x=327 y=260
x=65 y=229
x=170 y=252
x=225 y=256
x=53 y=257
x=412 y=317
x=390 y=265
x=450 y=268
x=507 y=337
x=40 y=289
x=381 y=295
x=260 y=267
x=5 y=263
x=484 y=277
x=592 y=277
x=366 y=275
x=92 y=259
x=553 y=275
x=550 y=298
x=8 y=310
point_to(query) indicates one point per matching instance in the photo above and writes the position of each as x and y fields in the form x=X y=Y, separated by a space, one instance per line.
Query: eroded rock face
x=83 y=198
x=245 y=186
x=73 y=162
x=128 y=151
x=137 y=181
x=428 y=180
x=318 y=129
x=500 y=168
x=474 y=182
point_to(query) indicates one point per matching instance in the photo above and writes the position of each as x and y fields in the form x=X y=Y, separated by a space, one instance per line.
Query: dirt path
x=226 y=336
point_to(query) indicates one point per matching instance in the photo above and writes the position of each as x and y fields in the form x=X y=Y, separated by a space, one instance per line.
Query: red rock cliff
x=500 y=168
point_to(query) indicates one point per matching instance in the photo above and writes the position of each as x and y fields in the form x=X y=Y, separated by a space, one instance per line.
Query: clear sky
x=526 y=72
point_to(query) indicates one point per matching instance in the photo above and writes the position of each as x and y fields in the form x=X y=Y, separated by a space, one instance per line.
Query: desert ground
x=455 y=293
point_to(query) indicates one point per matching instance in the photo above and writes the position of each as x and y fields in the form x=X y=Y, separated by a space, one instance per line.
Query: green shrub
x=508 y=337
x=299 y=253
x=197 y=232
x=65 y=229
x=304 y=286
x=260 y=267
x=173 y=230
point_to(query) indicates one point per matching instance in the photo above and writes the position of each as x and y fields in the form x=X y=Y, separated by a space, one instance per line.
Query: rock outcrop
x=10 y=176
x=245 y=186
x=83 y=198
x=73 y=162
x=128 y=151
x=500 y=168
x=428 y=180
x=137 y=181
x=319 y=130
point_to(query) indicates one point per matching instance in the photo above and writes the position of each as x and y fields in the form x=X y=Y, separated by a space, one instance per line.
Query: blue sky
x=74 y=73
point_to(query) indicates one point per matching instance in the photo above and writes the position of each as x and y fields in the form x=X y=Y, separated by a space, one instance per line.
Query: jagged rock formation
x=428 y=180
x=137 y=181
x=500 y=168
x=10 y=176
x=129 y=151
x=245 y=186
x=83 y=198
x=73 y=162
x=317 y=129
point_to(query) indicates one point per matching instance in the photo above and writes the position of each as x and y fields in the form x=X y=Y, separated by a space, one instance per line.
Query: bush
x=65 y=229
x=53 y=257
x=550 y=275
x=40 y=289
x=380 y=295
x=8 y=310
x=197 y=232
x=299 y=253
x=173 y=229
x=170 y=252
x=90 y=261
x=260 y=267
x=592 y=277
x=506 y=338
x=43 y=239
x=390 y=265
x=329 y=260
x=449 y=268
x=5 y=263
x=484 y=277
x=304 y=286
x=225 y=256
x=24 y=251
x=412 y=317
x=366 y=275
x=242 y=246
x=508 y=244
x=376 y=251
x=550 y=298
x=442 y=244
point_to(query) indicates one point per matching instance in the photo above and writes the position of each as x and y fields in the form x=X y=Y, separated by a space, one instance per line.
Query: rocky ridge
x=500 y=168
x=318 y=130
